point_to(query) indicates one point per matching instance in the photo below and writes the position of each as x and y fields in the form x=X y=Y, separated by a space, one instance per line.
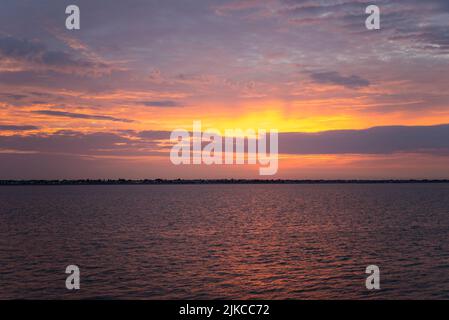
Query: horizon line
x=160 y=181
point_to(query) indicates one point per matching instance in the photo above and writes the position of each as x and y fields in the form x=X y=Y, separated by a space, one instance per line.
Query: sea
x=225 y=241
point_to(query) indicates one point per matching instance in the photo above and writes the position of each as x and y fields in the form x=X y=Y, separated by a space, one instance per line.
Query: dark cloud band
x=53 y=113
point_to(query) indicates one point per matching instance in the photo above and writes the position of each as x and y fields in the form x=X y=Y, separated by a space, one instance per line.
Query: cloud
x=333 y=77
x=35 y=54
x=7 y=127
x=154 y=134
x=427 y=37
x=305 y=9
x=13 y=96
x=421 y=25
x=160 y=103
x=85 y=144
x=80 y=116
x=410 y=151
x=239 y=5
x=377 y=140
x=64 y=142
x=20 y=48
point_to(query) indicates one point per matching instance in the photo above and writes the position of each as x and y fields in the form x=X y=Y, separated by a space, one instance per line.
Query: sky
x=101 y=102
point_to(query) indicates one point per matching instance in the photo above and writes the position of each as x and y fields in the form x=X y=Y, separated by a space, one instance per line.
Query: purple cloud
x=333 y=77
x=64 y=114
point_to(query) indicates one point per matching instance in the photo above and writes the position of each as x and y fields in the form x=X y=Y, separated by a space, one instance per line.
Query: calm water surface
x=225 y=241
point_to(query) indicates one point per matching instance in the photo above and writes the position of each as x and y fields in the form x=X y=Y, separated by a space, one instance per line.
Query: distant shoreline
x=206 y=181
